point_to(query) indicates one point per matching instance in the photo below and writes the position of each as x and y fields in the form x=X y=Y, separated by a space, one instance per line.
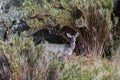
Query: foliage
x=29 y=62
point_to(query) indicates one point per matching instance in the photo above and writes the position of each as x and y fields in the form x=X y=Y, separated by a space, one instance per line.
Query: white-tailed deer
x=62 y=49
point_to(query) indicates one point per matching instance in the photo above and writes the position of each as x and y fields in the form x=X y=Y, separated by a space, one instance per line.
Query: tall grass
x=29 y=62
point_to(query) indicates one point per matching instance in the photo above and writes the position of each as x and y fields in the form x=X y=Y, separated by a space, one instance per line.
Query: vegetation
x=29 y=62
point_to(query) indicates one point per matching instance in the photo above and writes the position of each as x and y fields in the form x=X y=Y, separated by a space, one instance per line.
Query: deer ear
x=77 y=34
x=68 y=35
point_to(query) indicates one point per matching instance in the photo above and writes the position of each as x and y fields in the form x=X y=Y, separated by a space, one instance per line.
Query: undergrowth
x=29 y=62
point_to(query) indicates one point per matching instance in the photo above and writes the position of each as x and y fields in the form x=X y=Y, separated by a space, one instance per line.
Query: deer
x=63 y=49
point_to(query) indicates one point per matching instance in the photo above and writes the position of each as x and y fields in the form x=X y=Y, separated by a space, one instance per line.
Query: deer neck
x=72 y=44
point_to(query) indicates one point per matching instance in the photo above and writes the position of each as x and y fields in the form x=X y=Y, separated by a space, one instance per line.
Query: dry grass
x=29 y=62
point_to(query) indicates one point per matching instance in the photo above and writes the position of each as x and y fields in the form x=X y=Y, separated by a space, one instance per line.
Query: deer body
x=57 y=48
